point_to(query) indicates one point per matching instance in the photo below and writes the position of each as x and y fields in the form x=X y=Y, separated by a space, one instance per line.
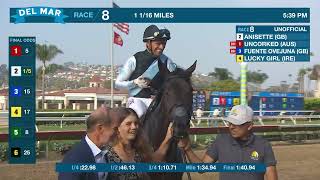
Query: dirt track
x=295 y=162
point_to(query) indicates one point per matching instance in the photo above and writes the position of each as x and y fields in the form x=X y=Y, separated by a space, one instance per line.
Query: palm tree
x=257 y=77
x=315 y=75
x=46 y=53
x=3 y=75
x=302 y=72
x=309 y=72
x=221 y=74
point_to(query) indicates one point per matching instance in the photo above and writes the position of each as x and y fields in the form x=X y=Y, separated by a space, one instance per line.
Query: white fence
x=195 y=121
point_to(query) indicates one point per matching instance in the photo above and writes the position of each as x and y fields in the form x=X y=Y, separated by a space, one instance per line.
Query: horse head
x=177 y=97
x=173 y=103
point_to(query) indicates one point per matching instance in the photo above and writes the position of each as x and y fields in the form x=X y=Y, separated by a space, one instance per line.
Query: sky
x=207 y=43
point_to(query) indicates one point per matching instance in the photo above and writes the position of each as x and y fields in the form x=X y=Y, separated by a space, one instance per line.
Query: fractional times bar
x=161 y=167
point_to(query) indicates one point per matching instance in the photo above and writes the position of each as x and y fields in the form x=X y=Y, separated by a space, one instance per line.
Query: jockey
x=140 y=74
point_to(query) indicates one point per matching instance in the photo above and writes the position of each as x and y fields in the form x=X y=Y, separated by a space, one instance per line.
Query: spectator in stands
x=124 y=102
x=283 y=121
x=199 y=114
x=91 y=149
x=216 y=114
x=130 y=145
x=223 y=112
x=240 y=145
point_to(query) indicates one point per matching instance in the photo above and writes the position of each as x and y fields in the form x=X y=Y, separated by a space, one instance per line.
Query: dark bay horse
x=172 y=104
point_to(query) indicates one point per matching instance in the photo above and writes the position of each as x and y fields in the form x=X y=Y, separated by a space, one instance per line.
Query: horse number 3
x=105 y=15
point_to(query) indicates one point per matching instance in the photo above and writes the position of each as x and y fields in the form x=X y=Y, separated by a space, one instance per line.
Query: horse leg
x=172 y=176
x=166 y=176
x=174 y=156
x=156 y=176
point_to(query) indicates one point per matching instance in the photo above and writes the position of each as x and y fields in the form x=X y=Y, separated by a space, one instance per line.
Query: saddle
x=154 y=104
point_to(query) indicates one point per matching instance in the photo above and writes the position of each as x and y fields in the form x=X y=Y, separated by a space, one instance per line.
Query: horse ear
x=163 y=68
x=192 y=68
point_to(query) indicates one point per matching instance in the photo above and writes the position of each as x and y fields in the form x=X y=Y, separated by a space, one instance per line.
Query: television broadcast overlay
x=141 y=90
x=162 y=167
x=272 y=43
x=22 y=79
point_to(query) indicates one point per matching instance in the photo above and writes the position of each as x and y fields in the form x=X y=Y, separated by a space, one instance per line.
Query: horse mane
x=179 y=73
x=179 y=70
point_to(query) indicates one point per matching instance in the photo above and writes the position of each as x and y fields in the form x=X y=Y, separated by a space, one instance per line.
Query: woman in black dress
x=130 y=145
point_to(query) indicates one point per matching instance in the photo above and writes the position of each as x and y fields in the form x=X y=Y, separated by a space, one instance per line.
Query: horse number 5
x=105 y=15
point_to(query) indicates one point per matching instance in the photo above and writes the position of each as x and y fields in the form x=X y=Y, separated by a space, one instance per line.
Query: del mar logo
x=23 y=13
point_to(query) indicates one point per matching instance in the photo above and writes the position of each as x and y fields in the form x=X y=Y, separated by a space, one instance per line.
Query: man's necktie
x=101 y=159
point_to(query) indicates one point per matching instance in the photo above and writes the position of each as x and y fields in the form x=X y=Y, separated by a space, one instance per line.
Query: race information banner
x=159 y=15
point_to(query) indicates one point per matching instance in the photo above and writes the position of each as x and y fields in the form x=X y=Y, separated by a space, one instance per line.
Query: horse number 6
x=105 y=15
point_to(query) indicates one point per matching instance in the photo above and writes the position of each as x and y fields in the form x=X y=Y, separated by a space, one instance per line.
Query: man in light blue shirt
x=140 y=74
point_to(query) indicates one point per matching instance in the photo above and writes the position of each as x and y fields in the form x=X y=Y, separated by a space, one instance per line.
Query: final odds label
x=272 y=44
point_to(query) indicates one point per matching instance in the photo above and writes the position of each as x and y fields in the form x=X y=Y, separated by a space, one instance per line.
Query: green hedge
x=312 y=104
x=63 y=147
x=4 y=151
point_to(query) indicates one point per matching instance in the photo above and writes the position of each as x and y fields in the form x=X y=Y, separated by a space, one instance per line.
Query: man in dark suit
x=100 y=129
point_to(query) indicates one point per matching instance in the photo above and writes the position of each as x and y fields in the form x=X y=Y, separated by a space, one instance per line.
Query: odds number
x=26 y=50
x=26 y=152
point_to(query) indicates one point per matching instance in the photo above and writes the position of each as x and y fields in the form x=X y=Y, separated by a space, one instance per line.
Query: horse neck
x=156 y=125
